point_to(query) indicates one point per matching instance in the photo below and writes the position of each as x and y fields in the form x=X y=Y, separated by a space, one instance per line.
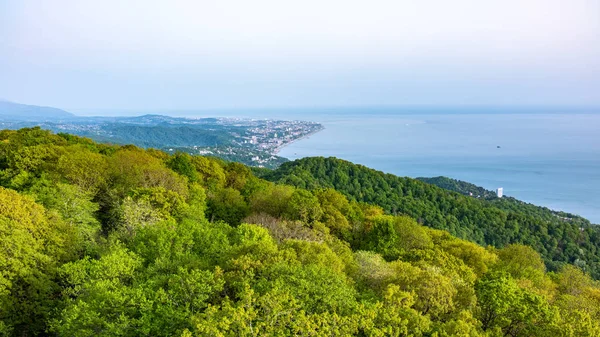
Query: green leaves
x=516 y=311
x=32 y=245
x=393 y=236
x=75 y=166
x=226 y=204
x=182 y=164
x=268 y=259
x=304 y=206
x=496 y=222
x=117 y=296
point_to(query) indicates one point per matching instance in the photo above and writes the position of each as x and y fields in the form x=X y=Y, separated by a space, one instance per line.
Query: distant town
x=254 y=142
x=262 y=140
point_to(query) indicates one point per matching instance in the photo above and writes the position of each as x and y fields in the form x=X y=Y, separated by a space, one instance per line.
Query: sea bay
x=551 y=160
x=548 y=157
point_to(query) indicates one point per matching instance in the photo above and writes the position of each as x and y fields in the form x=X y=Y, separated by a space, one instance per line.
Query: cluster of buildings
x=272 y=135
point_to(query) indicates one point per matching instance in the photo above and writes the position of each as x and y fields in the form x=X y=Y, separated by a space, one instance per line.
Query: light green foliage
x=497 y=222
x=84 y=168
x=273 y=200
x=271 y=314
x=182 y=164
x=25 y=154
x=134 y=168
x=393 y=236
x=315 y=253
x=516 y=311
x=196 y=203
x=435 y=292
x=31 y=246
x=521 y=261
x=412 y=235
x=252 y=248
x=335 y=206
x=317 y=288
x=465 y=325
x=237 y=175
x=76 y=208
x=304 y=206
x=27 y=163
x=167 y=203
x=578 y=300
x=226 y=204
x=98 y=300
x=125 y=249
x=395 y=317
x=116 y=296
x=476 y=257
x=373 y=270
x=210 y=172
x=137 y=213
x=32 y=158
x=580 y=323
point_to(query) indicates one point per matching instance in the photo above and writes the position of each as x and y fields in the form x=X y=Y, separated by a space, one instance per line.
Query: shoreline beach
x=278 y=148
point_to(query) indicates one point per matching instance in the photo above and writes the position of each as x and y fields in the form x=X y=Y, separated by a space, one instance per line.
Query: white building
x=499 y=192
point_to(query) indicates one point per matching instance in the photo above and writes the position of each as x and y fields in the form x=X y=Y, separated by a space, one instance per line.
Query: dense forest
x=105 y=240
x=461 y=187
x=506 y=202
x=498 y=222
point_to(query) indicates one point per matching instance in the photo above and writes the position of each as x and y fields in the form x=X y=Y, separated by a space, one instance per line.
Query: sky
x=198 y=54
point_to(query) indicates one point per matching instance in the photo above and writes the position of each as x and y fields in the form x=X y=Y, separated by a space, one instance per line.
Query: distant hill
x=16 y=111
x=506 y=203
x=559 y=237
x=461 y=187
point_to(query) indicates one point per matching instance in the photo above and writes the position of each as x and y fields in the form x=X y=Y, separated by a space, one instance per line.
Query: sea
x=546 y=156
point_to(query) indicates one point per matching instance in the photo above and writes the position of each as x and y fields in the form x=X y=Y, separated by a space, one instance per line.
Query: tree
x=517 y=312
x=273 y=200
x=304 y=206
x=393 y=236
x=210 y=171
x=226 y=204
x=116 y=296
x=394 y=316
x=182 y=164
x=521 y=261
x=75 y=166
x=334 y=206
x=75 y=207
x=134 y=168
x=32 y=245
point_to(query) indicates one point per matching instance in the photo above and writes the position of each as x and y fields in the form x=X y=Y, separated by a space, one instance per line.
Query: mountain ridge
x=499 y=222
x=27 y=112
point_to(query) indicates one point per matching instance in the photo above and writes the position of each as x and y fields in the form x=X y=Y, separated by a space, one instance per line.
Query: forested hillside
x=103 y=240
x=498 y=222
x=461 y=187
x=505 y=203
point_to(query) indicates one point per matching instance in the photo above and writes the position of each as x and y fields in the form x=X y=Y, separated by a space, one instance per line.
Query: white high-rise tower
x=499 y=192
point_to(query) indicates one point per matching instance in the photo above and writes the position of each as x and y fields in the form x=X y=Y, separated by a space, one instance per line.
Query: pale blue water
x=551 y=160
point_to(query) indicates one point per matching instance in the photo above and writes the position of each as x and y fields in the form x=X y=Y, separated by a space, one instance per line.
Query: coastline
x=277 y=149
x=464 y=147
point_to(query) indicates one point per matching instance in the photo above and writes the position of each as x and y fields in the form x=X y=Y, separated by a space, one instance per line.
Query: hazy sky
x=192 y=54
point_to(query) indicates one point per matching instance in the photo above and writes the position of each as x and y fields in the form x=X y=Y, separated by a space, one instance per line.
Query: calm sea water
x=549 y=159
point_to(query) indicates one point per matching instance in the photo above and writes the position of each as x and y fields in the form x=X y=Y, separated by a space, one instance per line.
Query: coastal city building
x=499 y=192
